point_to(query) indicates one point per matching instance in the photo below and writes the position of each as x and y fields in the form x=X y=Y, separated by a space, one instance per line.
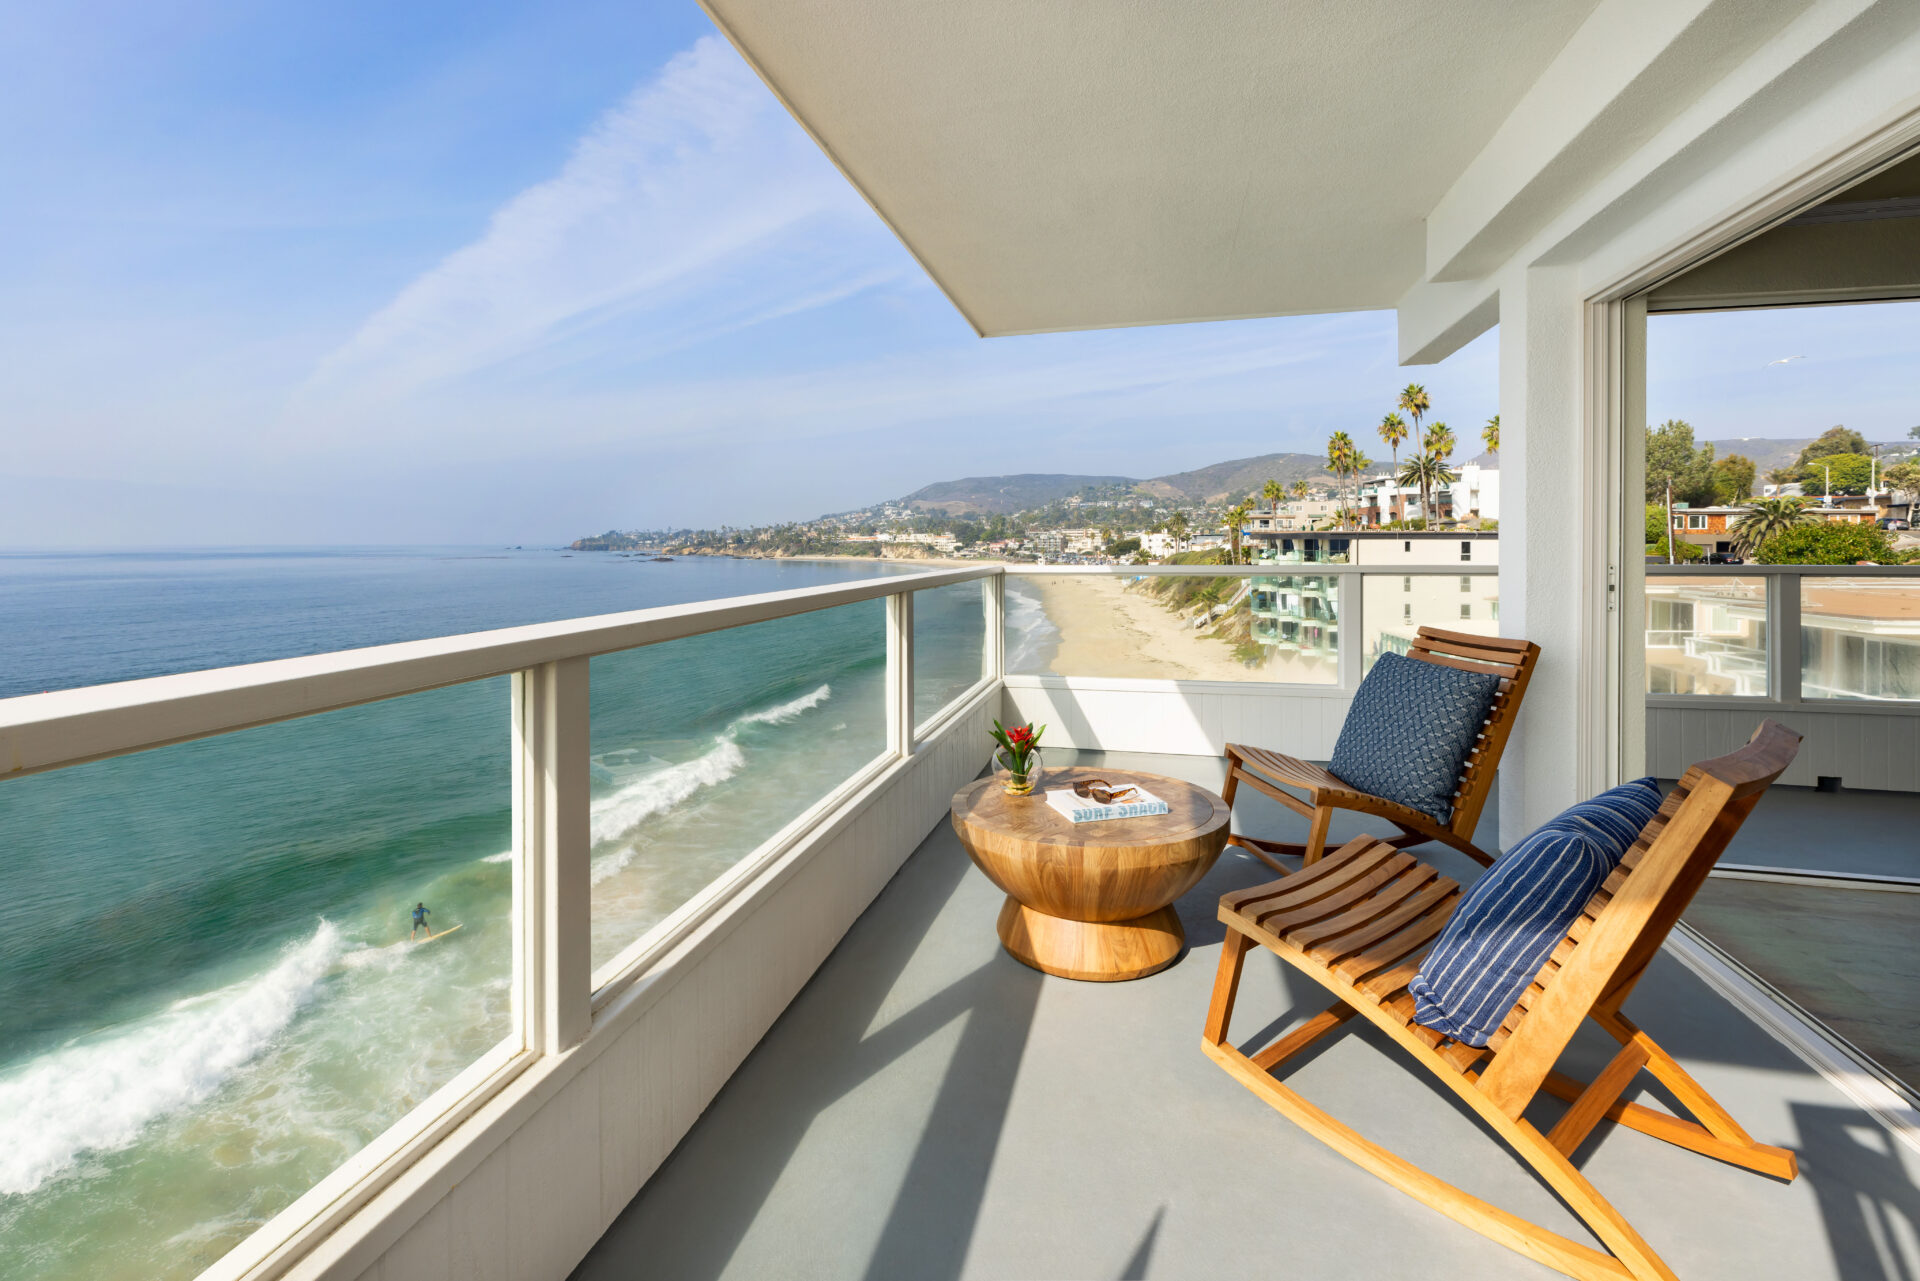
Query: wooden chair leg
x=1267 y=851
x=1715 y=1134
x=1317 y=836
x=1632 y=1260
x=1226 y=985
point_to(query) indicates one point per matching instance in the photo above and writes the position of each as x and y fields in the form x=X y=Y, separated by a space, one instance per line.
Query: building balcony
x=929 y=1107
x=818 y=1061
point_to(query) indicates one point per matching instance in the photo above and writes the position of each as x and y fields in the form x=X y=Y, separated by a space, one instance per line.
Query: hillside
x=1236 y=477
x=1004 y=495
x=1771 y=452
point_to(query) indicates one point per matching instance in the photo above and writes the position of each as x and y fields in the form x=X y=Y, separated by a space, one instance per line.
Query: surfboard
x=443 y=933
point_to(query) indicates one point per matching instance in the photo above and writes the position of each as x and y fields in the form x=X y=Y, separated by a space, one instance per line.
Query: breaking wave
x=784 y=712
x=98 y=1095
x=669 y=786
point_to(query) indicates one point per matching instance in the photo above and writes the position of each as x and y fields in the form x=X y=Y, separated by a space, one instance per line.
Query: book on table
x=1080 y=809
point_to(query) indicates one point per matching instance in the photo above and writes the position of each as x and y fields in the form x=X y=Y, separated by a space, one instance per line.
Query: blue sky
x=495 y=273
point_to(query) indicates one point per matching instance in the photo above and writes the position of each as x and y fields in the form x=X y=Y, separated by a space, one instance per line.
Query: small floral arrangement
x=1019 y=755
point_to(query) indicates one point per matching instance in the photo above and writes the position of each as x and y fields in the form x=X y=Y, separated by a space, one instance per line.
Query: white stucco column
x=1541 y=542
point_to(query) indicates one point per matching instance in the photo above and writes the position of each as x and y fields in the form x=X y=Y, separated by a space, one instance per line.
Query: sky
x=507 y=273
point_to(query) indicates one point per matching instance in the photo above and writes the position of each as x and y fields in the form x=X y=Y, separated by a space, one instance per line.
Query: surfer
x=420 y=914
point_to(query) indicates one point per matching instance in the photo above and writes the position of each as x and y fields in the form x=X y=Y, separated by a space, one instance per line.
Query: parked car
x=1892 y=522
x=1724 y=558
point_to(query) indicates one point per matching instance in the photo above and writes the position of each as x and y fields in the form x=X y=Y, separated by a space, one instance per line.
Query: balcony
x=813 y=1058
x=929 y=1107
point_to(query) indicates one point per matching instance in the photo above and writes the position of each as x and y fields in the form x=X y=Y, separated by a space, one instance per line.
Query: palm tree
x=1339 y=454
x=1765 y=518
x=1273 y=491
x=1414 y=403
x=1428 y=471
x=1393 y=430
x=1491 y=434
x=1299 y=491
x=1177 y=530
x=1359 y=464
x=1236 y=517
x=1439 y=442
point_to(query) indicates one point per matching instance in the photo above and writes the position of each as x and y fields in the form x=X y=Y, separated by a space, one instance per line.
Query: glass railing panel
x=1251 y=627
x=949 y=644
x=1860 y=638
x=1397 y=606
x=213 y=994
x=1707 y=634
x=704 y=748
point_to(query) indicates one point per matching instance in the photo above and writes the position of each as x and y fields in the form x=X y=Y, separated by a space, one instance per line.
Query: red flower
x=1020 y=735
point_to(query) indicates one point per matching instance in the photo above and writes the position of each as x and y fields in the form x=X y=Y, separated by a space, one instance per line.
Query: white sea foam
x=786 y=711
x=381 y=958
x=504 y=856
x=662 y=790
x=97 y=1095
x=1032 y=629
x=665 y=787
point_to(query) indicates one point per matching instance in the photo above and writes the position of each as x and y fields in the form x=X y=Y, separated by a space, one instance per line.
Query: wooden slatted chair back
x=1513 y=661
x=1623 y=925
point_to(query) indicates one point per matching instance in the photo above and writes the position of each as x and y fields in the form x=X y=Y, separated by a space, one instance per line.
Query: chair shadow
x=1868 y=1201
x=1142 y=1256
x=692 y=1215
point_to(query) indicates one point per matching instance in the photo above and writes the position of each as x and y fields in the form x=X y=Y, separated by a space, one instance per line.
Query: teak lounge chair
x=1512 y=659
x=1359 y=923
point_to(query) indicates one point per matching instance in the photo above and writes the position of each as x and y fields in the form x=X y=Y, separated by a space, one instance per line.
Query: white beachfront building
x=850 y=1079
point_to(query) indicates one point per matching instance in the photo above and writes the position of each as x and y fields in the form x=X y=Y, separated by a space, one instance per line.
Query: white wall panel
x=1193 y=719
x=1871 y=750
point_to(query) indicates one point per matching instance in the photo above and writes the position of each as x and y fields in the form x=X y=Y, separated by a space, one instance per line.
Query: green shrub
x=1826 y=544
x=1684 y=551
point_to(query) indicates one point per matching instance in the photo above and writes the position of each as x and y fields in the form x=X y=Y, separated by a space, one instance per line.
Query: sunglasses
x=1098 y=789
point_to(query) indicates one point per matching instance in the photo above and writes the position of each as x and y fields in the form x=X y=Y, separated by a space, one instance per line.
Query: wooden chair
x=1266 y=771
x=1359 y=922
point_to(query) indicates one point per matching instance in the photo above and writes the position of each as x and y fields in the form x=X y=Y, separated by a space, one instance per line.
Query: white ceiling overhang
x=1063 y=165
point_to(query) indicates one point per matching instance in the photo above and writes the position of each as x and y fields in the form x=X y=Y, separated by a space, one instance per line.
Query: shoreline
x=834 y=559
x=1107 y=630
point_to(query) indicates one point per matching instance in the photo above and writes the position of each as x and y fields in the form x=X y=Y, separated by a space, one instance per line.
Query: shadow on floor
x=1867 y=1196
x=840 y=1037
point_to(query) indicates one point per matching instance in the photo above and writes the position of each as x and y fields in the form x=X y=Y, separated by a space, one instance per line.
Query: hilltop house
x=1710 y=528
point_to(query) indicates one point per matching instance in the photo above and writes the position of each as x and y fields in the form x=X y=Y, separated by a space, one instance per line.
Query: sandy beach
x=1107 y=630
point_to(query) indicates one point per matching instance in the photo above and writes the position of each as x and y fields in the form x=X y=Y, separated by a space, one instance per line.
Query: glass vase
x=1016 y=782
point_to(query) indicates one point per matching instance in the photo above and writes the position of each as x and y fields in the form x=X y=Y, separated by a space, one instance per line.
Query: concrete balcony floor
x=930 y=1108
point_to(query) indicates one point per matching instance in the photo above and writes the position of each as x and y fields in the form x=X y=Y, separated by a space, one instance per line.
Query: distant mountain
x=1241 y=475
x=1005 y=495
x=1770 y=452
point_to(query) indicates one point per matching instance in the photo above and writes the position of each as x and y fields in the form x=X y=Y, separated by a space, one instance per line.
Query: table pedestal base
x=1096 y=951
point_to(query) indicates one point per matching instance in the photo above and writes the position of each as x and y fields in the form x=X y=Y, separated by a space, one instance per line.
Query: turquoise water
x=208 y=997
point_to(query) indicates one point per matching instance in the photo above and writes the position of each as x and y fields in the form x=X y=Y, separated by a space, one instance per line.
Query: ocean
x=209 y=998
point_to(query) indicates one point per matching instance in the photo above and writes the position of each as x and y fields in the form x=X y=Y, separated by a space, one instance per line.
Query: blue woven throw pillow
x=1513 y=917
x=1409 y=730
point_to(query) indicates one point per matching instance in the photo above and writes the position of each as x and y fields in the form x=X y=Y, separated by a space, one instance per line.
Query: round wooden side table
x=1091 y=900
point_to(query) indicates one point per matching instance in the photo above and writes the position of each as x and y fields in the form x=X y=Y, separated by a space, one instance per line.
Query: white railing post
x=1783 y=644
x=1348 y=610
x=552 y=904
x=994 y=652
x=900 y=673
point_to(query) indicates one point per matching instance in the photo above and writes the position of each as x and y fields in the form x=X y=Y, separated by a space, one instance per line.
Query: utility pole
x=1828 y=469
x=1669 y=520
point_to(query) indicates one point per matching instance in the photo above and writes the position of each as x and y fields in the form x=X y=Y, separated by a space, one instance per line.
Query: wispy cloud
x=693 y=209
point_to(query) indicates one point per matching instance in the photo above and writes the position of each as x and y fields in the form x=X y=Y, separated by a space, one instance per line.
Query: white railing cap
x=67 y=727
